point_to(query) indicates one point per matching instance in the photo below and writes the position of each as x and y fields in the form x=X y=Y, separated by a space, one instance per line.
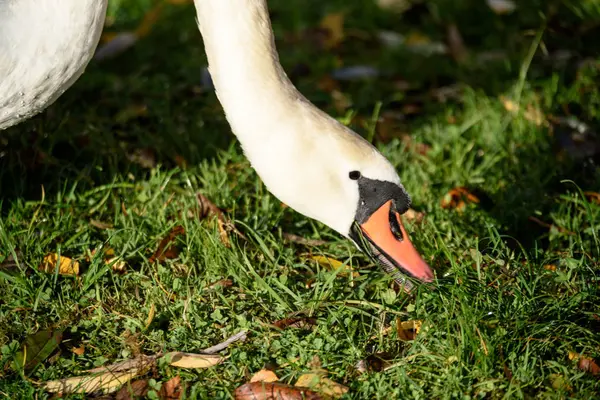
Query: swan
x=306 y=158
x=45 y=46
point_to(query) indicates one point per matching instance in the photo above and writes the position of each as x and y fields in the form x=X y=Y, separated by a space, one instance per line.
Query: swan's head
x=376 y=200
x=329 y=173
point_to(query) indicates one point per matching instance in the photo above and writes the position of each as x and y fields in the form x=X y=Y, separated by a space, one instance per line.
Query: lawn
x=491 y=120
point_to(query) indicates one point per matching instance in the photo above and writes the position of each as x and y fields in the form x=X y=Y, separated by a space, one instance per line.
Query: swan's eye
x=354 y=175
x=394 y=225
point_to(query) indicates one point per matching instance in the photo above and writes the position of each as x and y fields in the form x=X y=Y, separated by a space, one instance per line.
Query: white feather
x=45 y=46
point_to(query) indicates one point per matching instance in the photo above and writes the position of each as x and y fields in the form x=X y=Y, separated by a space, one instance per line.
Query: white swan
x=307 y=159
x=45 y=46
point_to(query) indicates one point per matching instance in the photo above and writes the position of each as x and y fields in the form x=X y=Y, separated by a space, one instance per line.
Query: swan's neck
x=45 y=46
x=249 y=80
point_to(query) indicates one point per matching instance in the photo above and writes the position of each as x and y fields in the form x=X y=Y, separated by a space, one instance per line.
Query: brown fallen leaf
x=133 y=390
x=171 y=389
x=78 y=350
x=66 y=265
x=107 y=382
x=334 y=24
x=458 y=198
x=296 y=323
x=332 y=264
x=117 y=264
x=208 y=208
x=264 y=375
x=408 y=330
x=585 y=363
x=322 y=384
x=192 y=360
x=274 y=391
x=593 y=197
x=167 y=249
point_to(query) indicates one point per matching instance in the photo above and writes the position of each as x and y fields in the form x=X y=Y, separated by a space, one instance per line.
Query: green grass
x=496 y=324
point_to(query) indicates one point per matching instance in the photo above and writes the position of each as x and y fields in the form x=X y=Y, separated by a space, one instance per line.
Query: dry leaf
x=166 y=248
x=408 y=330
x=592 y=196
x=117 y=264
x=296 y=323
x=133 y=390
x=208 y=208
x=458 y=198
x=78 y=350
x=107 y=382
x=334 y=24
x=322 y=384
x=333 y=265
x=100 y=224
x=192 y=360
x=264 y=375
x=171 y=389
x=150 y=316
x=585 y=363
x=66 y=265
x=274 y=391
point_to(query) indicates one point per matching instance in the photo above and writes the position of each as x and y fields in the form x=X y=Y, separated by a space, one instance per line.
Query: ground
x=505 y=200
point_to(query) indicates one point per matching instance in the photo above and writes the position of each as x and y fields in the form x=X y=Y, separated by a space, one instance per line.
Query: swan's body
x=306 y=158
x=45 y=46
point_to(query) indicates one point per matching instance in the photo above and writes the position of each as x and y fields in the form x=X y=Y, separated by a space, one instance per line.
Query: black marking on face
x=374 y=193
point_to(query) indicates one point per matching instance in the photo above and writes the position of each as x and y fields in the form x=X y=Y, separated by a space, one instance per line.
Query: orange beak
x=391 y=248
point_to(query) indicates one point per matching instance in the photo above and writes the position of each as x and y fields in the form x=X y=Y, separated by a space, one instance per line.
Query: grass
x=513 y=298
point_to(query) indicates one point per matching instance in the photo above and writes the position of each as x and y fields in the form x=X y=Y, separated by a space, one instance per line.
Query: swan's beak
x=384 y=238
